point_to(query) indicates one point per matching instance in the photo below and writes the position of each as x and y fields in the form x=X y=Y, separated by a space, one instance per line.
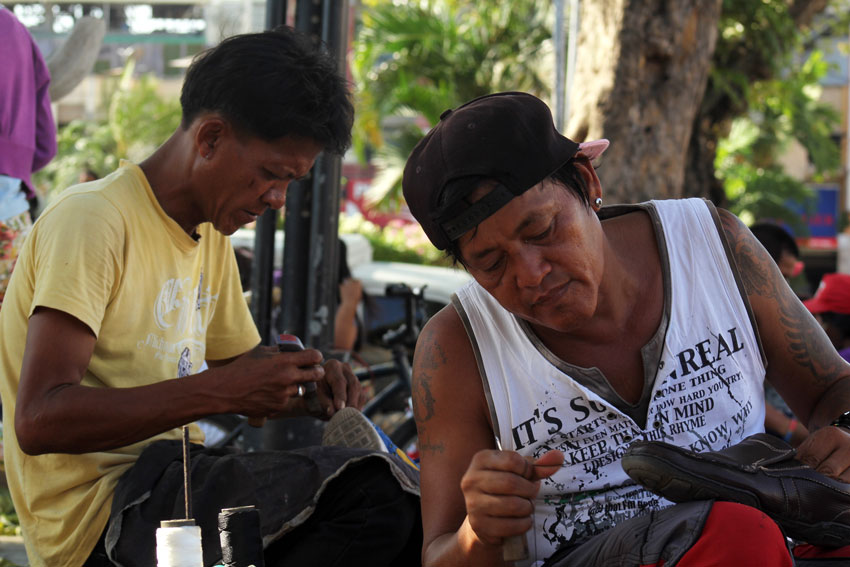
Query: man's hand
x=339 y=388
x=275 y=394
x=827 y=450
x=267 y=381
x=499 y=488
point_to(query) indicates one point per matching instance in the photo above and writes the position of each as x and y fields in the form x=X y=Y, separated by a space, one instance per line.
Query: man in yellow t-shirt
x=127 y=285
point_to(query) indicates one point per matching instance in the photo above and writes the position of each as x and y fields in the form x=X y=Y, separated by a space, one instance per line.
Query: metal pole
x=309 y=283
x=571 y=57
x=262 y=268
x=560 y=64
x=275 y=13
x=314 y=226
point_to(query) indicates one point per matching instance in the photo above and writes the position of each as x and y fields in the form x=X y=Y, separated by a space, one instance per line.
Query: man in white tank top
x=585 y=329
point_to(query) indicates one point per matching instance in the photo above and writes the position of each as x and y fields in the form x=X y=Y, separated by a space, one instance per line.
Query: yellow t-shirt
x=159 y=302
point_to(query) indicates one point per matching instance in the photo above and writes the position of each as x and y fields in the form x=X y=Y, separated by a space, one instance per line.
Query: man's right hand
x=499 y=488
x=266 y=381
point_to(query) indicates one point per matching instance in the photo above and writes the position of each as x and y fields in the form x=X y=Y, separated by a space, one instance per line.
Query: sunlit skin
x=236 y=177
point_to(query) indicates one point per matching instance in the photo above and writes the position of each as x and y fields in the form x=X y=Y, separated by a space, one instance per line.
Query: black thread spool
x=241 y=539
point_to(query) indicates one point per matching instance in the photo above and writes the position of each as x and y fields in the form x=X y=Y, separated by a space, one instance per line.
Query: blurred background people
x=87 y=175
x=778 y=417
x=831 y=307
x=27 y=135
x=781 y=247
x=348 y=325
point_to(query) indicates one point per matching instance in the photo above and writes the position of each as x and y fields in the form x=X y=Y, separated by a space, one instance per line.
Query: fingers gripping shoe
x=761 y=472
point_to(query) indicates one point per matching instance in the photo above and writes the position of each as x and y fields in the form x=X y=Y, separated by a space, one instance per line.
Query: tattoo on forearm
x=806 y=343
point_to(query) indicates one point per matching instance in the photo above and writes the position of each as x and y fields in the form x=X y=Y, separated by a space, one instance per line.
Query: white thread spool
x=178 y=544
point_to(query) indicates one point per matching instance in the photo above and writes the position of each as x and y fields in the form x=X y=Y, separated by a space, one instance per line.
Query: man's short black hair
x=272 y=84
x=775 y=240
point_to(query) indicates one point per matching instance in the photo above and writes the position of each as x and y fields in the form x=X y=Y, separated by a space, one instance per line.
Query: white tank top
x=704 y=382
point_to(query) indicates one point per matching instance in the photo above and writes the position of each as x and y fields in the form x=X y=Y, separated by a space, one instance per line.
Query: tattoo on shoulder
x=754 y=266
x=805 y=341
x=428 y=358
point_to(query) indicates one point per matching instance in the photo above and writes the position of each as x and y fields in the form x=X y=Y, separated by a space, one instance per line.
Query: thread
x=178 y=544
x=241 y=538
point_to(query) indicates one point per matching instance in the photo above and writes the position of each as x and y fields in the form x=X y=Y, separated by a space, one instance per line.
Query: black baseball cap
x=508 y=137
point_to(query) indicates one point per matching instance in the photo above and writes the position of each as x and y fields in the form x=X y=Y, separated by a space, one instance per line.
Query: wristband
x=792 y=426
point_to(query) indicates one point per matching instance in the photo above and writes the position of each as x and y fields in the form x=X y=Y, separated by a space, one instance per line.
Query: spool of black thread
x=241 y=539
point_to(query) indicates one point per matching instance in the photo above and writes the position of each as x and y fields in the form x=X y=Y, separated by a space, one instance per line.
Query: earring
x=598 y=202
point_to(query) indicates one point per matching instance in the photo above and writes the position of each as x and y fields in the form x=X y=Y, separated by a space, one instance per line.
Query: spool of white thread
x=178 y=544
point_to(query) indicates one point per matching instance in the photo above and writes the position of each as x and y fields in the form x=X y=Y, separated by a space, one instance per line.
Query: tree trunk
x=718 y=110
x=641 y=71
x=641 y=80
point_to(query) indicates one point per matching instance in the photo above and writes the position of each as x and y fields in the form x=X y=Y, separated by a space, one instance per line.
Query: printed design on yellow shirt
x=182 y=313
x=175 y=302
x=184 y=365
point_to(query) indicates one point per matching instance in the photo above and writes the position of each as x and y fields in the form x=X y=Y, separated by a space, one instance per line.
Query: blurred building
x=827 y=246
x=160 y=36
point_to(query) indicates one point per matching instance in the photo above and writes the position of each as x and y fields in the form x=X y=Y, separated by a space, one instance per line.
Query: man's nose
x=530 y=268
x=275 y=196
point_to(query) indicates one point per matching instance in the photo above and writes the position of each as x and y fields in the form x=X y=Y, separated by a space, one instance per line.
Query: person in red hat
x=831 y=307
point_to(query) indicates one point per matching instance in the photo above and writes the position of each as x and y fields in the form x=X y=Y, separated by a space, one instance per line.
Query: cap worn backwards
x=508 y=137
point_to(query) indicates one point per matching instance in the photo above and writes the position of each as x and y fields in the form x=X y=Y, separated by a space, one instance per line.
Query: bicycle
x=396 y=396
x=390 y=399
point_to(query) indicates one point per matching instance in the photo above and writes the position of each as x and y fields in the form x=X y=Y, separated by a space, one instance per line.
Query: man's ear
x=208 y=134
x=591 y=180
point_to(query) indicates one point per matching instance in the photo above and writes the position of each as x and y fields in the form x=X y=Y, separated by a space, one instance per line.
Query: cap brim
x=594 y=148
x=814 y=305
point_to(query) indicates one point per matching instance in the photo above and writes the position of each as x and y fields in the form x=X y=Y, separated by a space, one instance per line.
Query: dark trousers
x=364 y=518
x=362 y=515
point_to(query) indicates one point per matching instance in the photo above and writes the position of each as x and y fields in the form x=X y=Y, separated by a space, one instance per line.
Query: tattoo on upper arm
x=805 y=342
x=429 y=357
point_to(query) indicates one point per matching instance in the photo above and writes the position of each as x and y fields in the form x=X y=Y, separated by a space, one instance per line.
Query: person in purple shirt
x=831 y=307
x=27 y=135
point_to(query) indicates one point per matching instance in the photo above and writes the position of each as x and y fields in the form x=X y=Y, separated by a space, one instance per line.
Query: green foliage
x=137 y=120
x=81 y=145
x=397 y=242
x=780 y=107
x=9 y=524
x=414 y=59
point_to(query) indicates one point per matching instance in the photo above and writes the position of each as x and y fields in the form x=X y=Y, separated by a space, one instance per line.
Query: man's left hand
x=827 y=450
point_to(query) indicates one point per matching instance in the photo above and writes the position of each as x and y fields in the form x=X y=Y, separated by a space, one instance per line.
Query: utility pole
x=309 y=278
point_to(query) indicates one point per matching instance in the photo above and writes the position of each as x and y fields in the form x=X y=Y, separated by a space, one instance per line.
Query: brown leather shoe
x=761 y=472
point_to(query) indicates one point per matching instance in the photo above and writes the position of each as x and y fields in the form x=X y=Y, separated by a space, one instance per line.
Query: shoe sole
x=350 y=428
x=678 y=485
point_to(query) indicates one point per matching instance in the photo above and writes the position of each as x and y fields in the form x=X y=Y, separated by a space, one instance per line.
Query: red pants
x=735 y=534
